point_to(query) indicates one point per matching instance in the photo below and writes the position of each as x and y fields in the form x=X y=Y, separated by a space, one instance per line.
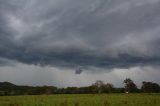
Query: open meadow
x=83 y=100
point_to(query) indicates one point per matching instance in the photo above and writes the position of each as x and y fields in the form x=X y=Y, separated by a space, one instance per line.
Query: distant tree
x=118 y=90
x=71 y=90
x=99 y=83
x=150 y=87
x=98 y=86
x=108 y=87
x=130 y=86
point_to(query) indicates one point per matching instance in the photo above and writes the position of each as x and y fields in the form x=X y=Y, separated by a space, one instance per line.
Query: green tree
x=107 y=88
x=98 y=86
x=130 y=86
x=150 y=87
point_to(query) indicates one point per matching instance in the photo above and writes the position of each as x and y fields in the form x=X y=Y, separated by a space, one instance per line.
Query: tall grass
x=83 y=100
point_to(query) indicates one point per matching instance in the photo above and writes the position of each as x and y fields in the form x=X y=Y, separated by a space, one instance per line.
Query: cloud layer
x=88 y=33
x=22 y=74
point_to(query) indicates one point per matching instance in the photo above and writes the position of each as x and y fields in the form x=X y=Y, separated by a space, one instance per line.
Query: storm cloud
x=107 y=34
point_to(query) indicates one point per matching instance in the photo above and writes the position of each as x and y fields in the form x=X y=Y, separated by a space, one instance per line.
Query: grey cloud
x=72 y=33
x=6 y=62
x=78 y=71
x=22 y=74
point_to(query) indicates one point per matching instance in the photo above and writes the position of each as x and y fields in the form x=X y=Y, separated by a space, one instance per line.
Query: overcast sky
x=76 y=42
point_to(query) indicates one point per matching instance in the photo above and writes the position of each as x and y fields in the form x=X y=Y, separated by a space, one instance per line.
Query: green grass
x=83 y=100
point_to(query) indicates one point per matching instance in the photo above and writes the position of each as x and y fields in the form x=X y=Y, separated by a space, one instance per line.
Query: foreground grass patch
x=83 y=100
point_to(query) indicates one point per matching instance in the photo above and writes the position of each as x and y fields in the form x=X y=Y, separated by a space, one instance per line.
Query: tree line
x=7 y=88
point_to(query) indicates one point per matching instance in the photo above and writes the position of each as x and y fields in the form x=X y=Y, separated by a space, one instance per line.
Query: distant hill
x=6 y=84
x=7 y=88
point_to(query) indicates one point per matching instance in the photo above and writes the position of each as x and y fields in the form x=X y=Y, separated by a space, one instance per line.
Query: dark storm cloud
x=78 y=70
x=72 y=33
x=6 y=62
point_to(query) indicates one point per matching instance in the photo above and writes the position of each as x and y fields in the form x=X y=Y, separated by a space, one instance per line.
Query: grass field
x=83 y=100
